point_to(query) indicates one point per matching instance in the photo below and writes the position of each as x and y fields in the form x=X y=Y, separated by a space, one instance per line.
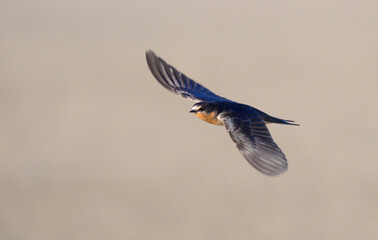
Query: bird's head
x=206 y=111
x=202 y=108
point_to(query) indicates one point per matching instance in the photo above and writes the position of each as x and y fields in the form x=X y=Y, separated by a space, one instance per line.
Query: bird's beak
x=192 y=111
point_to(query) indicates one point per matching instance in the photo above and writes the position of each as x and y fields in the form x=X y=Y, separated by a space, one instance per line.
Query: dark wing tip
x=150 y=55
x=271 y=166
x=256 y=144
x=152 y=60
x=157 y=67
x=177 y=82
x=269 y=159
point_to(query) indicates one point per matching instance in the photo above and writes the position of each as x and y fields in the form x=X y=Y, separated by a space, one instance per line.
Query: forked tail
x=269 y=119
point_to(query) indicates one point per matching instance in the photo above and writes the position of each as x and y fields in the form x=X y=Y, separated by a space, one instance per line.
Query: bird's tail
x=269 y=119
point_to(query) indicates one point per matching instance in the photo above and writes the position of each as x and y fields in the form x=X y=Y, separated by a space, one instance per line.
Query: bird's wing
x=255 y=143
x=177 y=82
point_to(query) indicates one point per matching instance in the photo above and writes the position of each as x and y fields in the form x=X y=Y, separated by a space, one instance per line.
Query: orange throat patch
x=210 y=118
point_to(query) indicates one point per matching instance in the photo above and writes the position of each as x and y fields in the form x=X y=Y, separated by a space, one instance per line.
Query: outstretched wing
x=255 y=143
x=177 y=82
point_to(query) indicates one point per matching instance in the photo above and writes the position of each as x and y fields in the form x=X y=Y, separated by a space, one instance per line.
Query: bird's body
x=245 y=124
x=211 y=118
x=214 y=117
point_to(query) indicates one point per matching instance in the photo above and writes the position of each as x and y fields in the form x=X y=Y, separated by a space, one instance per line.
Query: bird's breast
x=210 y=118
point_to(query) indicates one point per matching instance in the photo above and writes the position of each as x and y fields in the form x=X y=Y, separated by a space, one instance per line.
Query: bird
x=246 y=125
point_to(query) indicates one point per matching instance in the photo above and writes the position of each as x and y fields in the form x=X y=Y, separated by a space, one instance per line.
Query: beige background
x=92 y=147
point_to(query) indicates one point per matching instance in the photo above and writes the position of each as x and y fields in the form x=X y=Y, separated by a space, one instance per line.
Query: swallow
x=246 y=125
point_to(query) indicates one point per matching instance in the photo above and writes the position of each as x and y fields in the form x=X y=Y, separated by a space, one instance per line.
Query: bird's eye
x=201 y=109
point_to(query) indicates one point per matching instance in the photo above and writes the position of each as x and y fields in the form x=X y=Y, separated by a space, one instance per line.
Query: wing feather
x=255 y=143
x=177 y=82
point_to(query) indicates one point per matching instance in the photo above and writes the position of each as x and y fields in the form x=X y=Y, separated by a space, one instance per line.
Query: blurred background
x=92 y=147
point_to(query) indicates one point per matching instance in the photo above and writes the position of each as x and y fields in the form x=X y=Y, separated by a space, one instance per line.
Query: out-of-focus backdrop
x=92 y=147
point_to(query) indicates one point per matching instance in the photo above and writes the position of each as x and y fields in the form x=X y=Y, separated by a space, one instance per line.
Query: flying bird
x=246 y=125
